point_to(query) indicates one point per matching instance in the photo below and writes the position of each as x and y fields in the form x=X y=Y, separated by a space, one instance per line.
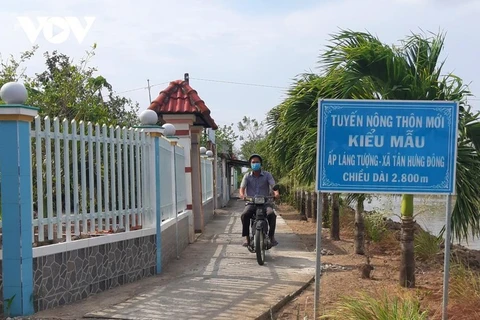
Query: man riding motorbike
x=257 y=182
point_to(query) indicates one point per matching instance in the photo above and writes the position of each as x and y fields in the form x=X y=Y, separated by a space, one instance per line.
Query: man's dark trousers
x=247 y=214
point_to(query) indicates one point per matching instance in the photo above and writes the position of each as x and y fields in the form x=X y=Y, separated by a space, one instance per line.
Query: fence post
x=173 y=143
x=16 y=200
x=149 y=119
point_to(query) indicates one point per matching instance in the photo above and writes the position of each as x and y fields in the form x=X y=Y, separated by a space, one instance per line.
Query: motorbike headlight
x=259 y=200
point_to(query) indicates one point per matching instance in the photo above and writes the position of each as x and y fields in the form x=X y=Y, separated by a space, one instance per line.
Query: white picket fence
x=88 y=179
x=207 y=179
x=181 y=179
x=219 y=178
x=91 y=179
x=173 y=180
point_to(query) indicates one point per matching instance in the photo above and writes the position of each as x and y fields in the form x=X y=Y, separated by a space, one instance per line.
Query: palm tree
x=412 y=71
x=359 y=232
x=292 y=140
x=335 y=224
x=293 y=130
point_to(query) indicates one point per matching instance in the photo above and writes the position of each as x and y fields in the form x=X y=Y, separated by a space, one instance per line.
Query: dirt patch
x=346 y=278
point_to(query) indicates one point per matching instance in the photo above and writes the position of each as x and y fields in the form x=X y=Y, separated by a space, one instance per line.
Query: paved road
x=215 y=278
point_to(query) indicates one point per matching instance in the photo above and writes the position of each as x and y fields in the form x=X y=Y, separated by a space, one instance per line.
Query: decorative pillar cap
x=170 y=130
x=14 y=93
x=148 y=117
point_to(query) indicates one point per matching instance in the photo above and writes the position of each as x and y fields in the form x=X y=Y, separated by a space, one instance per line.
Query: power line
x=208 y=80
x=143 y=88
x=241 y=83
x=228 y=82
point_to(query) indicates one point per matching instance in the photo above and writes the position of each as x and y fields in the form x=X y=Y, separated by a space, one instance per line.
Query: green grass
x=375 y=227
x=384 y=307
x=427 y=246
x=464 y=283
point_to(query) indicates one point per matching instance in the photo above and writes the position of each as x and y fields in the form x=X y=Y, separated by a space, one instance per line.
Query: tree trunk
x=359 y=226
x=335 y=225
x=314 y=206
x=302 y=205
x=297 y=199
x=325 y=213
x=308 y=204
x=407 y=264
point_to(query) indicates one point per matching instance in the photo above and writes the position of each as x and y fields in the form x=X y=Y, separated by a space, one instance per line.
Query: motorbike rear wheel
x=260 y=247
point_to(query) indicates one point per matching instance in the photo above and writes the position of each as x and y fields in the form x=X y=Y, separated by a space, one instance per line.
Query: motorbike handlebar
x=251 y=199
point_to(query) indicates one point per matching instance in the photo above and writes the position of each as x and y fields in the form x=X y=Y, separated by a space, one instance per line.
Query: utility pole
x=149 y=93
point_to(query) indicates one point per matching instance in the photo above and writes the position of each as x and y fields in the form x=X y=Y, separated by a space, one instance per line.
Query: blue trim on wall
x=16 y=171
x=158 y=213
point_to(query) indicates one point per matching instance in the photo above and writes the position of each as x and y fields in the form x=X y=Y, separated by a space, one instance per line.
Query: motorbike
x=260 y=242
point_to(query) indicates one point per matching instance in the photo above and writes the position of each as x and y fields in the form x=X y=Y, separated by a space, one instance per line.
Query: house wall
x=208 y=210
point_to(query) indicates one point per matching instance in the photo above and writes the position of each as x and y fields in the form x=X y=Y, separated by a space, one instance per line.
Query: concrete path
x=215 y=278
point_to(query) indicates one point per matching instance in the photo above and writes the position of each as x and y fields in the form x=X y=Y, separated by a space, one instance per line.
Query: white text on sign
x=353 y=120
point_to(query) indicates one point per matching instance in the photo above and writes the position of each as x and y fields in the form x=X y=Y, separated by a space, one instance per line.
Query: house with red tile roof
x=180 y=105
x=179 y=98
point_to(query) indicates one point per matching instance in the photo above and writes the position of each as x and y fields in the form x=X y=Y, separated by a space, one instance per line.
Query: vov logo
x=56 y=30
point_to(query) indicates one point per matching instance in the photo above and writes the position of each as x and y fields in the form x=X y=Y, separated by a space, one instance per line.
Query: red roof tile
x=180 y=98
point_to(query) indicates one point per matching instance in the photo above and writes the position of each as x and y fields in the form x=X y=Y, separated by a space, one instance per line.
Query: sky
x=257 y=42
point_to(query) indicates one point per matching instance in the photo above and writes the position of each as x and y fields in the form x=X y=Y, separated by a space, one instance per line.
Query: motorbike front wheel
x=260 y=247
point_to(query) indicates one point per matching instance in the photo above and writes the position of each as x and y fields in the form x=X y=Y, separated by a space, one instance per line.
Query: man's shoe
x=274 y=242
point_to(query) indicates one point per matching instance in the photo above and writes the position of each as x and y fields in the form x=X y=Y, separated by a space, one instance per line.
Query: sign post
x=387 y=146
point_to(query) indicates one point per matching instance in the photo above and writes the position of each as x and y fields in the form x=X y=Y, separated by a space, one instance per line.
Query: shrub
x=375 y=227
x=427 y=246
x=385 y=307
x=464 y=283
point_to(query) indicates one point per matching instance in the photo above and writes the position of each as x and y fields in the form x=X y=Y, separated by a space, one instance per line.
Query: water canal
x=429 y=210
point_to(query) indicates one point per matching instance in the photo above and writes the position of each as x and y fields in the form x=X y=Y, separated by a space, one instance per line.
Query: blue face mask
x=255 y=166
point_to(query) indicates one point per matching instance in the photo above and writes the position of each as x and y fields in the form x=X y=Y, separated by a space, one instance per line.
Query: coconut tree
x=412 y=71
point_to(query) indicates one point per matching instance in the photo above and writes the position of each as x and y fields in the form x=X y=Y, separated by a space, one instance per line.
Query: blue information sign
x=387 y=146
